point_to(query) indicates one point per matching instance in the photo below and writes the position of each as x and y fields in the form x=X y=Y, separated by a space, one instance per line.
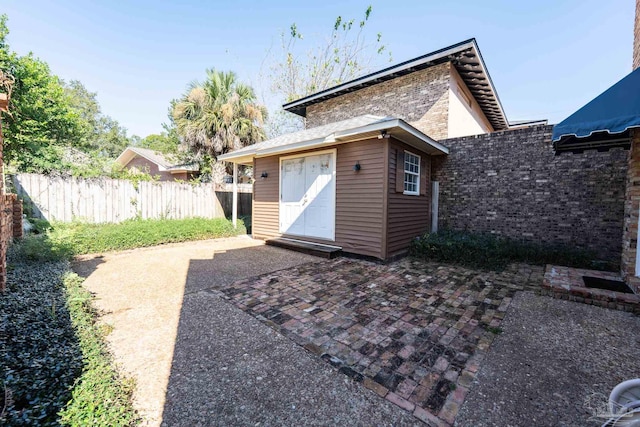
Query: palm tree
x=218 y=115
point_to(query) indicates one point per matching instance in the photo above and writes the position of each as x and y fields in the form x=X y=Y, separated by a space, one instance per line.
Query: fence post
x=234 y=209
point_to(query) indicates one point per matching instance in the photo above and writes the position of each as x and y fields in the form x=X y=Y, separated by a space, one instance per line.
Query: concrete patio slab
x=554 y=364
x=199 y=361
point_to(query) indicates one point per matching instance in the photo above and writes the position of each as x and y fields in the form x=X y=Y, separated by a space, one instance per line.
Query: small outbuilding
x=361 y=185
x=358 y=178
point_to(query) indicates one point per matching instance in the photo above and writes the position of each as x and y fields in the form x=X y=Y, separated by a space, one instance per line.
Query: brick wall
x=17 y=216
x=631 y=210
x=10 y=221
x=6 y=221
x=632 y=198
x=511 y=183
x=636 y=38
x=6 y=231
x=420 y=98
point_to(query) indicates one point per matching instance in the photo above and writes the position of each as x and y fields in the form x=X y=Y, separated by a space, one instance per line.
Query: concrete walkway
x=197 y=360
x=554 y=364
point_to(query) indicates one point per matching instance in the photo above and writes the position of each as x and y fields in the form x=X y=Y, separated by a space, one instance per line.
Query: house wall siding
x=511 y=183
x=266 y=198
x=408 y=216
x=359 y=198
x=420 y=98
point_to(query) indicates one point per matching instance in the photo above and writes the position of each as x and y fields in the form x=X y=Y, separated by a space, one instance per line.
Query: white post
x=435 y=195
x=234 y=209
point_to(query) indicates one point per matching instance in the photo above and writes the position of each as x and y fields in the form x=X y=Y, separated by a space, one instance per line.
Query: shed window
x=411 y=173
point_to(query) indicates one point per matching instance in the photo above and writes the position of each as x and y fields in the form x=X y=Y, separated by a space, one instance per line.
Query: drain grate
x=609 y=285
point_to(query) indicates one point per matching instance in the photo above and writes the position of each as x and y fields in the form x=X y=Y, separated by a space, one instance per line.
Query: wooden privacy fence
x=111 y=200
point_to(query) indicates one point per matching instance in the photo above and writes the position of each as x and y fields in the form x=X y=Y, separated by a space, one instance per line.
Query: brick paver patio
x=413 y=332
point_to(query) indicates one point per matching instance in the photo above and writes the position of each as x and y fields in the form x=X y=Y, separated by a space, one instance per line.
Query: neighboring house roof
x=165 y=162
x=367 y=126
x=465 y=56
x=614 y=111
x=75 y=156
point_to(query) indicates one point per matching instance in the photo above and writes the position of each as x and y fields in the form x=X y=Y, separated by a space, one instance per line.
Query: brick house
x=358 y=178
x=426 y=143
x=156 y=164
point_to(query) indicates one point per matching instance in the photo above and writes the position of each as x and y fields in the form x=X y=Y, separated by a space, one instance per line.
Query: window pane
x=410 y=183
x=411 y=172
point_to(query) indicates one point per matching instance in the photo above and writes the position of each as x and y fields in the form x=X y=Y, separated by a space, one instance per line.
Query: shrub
x=40 y=226
x=40 y=248
x=492 y=252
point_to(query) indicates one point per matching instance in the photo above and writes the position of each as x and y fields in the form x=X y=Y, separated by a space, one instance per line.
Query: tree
x=166 y=142
x=40 y=118
x=99 y=133
x=298 y=71
x=48 y=117
x=218 y=115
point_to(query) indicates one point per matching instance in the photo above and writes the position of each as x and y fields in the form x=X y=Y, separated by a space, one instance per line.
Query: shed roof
x=465 y=56
x=357 y=128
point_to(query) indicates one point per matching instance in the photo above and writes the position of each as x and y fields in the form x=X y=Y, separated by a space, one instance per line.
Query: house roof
x=165 y=162
x=613 y=112
x=357 y=128
x=465 y=56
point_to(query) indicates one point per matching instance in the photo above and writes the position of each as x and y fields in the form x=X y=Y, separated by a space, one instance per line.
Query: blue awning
x=615 y=110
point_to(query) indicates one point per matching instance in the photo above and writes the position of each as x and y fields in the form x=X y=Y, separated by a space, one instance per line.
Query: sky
x=546 y=58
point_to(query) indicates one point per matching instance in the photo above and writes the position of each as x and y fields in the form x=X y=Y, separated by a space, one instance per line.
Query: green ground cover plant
x=491 y=252
x=56 y=369
x=83 y=238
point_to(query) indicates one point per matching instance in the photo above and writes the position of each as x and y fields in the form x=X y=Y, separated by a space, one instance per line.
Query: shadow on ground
x=228 y=368
x=85 y=266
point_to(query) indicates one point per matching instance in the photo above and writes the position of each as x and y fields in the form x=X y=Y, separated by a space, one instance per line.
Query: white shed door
x=307 y=196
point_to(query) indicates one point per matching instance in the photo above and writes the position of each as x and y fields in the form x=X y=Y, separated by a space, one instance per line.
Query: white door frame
x=334 y=153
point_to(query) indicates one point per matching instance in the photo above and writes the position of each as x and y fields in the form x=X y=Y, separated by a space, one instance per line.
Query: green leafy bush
x=41 y=248
x=487 y=251
x=40 y=226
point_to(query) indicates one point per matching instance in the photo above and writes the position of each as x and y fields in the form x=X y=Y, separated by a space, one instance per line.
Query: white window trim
x=417 y=192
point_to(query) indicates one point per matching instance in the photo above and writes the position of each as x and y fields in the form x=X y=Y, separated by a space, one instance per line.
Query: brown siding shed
x=372 y=219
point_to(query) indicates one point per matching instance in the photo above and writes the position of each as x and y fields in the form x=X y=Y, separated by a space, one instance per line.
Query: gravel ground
x=553 y=362
x=230 y=369
x=198 y=360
